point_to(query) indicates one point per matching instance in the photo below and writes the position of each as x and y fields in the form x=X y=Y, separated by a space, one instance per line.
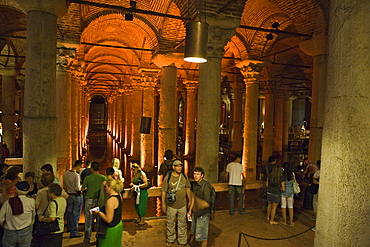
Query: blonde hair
x=116 y=185
x=135 y=165
x=115 y=163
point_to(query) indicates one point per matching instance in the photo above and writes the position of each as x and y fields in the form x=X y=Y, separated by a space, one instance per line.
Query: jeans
x=21 y=238
x=89 y=218
x=73 y=213
x=239 y=190
x=180 y=214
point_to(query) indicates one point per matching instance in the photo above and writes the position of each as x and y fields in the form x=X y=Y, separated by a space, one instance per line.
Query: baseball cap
x=177 y=163
x=23 y=186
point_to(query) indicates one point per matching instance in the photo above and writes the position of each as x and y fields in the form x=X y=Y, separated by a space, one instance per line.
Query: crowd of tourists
x=283 y=183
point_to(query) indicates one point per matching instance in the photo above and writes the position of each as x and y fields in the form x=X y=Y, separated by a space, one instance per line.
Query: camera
x=170 y=197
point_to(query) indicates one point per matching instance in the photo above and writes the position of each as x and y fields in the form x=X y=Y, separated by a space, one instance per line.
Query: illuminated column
x=63 y=112
x=268 y=131
x=137 y=99
x=191 y=91
x=279 y=123
x=147 y=140
x=127 y=128
x=110 y=118
x=8 y=106
x=343 y=208
x=39 y=142
x=168 y=115
x=287 y=122
x=74 y=117
x=317 y=47
x=237 y=133
x=209 y=101
x=251 y=71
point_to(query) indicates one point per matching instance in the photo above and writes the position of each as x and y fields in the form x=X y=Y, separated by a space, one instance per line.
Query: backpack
x=212 y=199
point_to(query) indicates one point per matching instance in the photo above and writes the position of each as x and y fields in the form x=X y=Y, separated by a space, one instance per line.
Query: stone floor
x=224 y=231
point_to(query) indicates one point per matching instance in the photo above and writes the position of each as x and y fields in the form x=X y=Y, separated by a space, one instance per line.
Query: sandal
x=140 y=224
x=168 y=244
x=283 y=223
x=274 y=223
x=292 y=224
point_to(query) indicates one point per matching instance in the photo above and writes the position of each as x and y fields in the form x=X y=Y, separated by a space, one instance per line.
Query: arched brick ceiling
x=90 y=24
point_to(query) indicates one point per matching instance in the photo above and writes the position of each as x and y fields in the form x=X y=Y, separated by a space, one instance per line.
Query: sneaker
x=78 y=235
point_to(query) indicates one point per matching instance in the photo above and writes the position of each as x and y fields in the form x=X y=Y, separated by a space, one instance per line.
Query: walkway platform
x=223 y=232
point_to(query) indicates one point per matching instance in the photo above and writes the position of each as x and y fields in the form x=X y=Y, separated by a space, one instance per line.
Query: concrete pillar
x=237 y=125
x=147 y=140
x=63 y=113
x=268 y=131
x=250 y=69
x=317 y=47
x=168 y=115
x=8 y=107
x=209 y=96
x=39 y=142
x=191 y=91
x=343 y=207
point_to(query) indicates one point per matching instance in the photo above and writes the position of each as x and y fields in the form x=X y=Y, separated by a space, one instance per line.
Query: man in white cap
x=17 y=216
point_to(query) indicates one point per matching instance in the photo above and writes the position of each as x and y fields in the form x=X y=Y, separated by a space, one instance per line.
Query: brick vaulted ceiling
x=108 y=67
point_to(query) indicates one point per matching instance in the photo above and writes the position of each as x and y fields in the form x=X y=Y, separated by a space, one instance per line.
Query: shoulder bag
x=296 y=188
x=43 y=228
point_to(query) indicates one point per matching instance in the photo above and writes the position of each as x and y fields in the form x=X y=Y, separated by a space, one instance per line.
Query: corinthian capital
x=251 y=70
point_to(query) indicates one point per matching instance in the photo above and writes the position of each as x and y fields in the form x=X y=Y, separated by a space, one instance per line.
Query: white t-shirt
x=235 y=171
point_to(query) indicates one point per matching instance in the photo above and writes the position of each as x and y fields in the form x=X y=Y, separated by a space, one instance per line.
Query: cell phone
x=94 y=210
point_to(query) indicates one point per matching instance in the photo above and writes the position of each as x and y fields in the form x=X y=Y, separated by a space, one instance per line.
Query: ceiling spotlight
x=269 y=36
x=196 y=42
x=275 y=25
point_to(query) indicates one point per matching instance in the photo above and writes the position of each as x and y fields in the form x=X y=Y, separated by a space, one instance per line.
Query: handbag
x=43 y=228
x=314 y=188
x=296 y=188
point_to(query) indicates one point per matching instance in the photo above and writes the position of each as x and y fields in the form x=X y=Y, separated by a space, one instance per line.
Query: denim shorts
x=199 y=227
x=274 y=198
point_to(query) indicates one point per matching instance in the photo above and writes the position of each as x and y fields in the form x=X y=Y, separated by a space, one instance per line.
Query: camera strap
x=178 y=183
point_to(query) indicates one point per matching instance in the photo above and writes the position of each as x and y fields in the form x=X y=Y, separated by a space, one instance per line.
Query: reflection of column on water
x=159 y=207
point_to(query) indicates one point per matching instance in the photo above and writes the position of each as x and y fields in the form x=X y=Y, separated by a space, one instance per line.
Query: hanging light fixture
x=196 y=42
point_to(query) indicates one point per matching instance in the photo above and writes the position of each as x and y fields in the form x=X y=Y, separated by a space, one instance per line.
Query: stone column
x=317 y=47
x=191 y=109
x=209 y=95
x=147 y=140
x=250 y=69
x=268 y=131
x=39 y=142
x=63 y=112
x=343 y=208
x=279 y=123
x=168 y=115
x=237 y=133
x=287 y=122
x=8 y=107
x=137 y=97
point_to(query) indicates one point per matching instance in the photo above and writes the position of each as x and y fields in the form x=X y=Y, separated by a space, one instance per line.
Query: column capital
x=217 y=39
x=65 y=58
x=20 y=80
x=168 y=59
x=8 y=71
x=191 y=86
x=55 y=7
x=315 y=46
x=251 y=69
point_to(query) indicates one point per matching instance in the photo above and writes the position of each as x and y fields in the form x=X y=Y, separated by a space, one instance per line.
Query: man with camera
x=175 y=189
